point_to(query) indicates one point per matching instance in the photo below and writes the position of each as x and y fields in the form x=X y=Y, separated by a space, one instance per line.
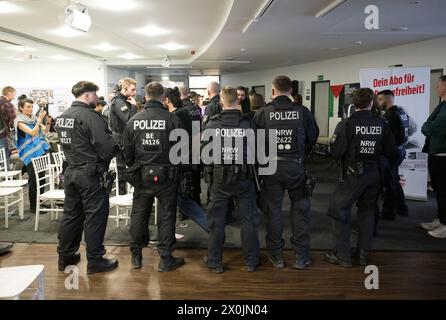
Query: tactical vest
x=150 y=138
x=404 y=128
x=365 y=139
x=288 y=123
x=236 y=132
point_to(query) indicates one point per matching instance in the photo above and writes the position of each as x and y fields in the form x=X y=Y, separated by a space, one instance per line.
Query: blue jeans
x=192 y=210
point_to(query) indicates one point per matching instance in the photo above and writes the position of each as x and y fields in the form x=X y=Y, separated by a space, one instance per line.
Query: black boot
x=137 y=259
x=68 y=261
x=101 y=265
x=170 y=263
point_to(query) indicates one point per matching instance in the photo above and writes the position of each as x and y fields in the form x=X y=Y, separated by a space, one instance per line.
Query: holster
x=355 y=169
x=309 y=186
x=107 y=180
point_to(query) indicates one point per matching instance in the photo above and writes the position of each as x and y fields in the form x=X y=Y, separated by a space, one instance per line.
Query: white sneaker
x=439 y=232
x=430 y=226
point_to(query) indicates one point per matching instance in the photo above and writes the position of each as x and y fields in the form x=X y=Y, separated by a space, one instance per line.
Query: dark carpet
x=404 y=234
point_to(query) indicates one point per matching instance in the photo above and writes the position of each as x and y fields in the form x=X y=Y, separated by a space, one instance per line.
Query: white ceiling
x=287 y=34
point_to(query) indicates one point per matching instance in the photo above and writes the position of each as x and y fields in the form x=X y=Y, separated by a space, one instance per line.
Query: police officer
x=295 y=129
x=122 y=108
x=214 y=106
x=88 y=147
x=232 y=178
x=358 y=142
x=398 y=120
x=146 y=152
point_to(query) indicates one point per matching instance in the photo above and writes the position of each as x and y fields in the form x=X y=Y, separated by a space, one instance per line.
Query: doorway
x=320 y=104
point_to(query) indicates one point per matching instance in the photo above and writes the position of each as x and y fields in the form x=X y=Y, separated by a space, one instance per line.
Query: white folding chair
x=57 y=167
x=4 y=172
x=124 y=202
x=10 y=197
x=51 y=195
x=16 y=280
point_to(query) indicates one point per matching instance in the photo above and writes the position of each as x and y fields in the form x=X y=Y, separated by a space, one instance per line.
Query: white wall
x=346 y=70
x=50 y=75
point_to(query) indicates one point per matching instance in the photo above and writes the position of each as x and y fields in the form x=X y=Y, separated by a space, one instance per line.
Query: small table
x=15 y=280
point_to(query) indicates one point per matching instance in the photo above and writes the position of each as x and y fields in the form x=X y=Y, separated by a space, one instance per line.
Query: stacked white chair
x=11 y=191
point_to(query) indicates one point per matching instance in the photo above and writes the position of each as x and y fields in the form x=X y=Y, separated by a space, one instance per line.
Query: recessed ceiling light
x=400 y=29
x=17 y=58
x=358 y=43
x=114 y=5
x=129 y=56
x=172 y=46
x=414 y=2
x=333 y=49
x=243 y=50
x=67 y=32
x=152 y=31
x=105 y=46
x=59 y=57
x=22 y=48
x=8 y=7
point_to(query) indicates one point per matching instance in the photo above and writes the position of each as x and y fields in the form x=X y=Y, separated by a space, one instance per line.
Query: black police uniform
x=212 y=108
x=295 y=129
x=358 y=141
x=193 y=116
x=121 y=111
x=88 y=147
x=393 y=198
x=231 y=180
x=146 y=148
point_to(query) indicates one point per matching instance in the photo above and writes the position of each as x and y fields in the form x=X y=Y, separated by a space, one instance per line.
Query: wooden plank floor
x=403 y=275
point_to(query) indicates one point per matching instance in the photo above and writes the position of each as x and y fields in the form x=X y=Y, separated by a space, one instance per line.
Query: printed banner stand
x=411 y=88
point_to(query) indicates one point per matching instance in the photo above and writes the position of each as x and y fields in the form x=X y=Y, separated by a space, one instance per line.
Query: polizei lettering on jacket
x=284 y=115
x=230 y=133
x=65 y=123
x=149 y=125
x=365 y=130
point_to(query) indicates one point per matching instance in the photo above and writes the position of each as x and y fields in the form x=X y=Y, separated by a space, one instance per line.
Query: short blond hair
x=127 y=82
x=229 y=95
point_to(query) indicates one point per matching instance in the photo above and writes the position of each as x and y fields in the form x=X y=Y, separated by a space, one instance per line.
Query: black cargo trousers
x=143 y=199
x=86 y=209
x=221 y=196
x=363 y=190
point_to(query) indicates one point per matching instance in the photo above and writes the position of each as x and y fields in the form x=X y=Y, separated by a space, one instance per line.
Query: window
x=200 y=83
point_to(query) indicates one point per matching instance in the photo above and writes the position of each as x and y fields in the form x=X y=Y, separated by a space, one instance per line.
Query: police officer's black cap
x=82 y=87
x=386 y=92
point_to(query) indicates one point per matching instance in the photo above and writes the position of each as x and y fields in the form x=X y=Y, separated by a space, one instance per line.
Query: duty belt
x=295 y=160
